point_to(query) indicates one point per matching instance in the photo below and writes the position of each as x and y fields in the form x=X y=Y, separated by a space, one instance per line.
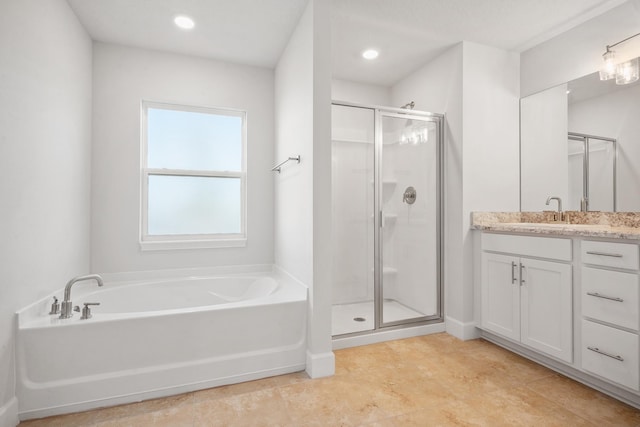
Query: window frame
x=189 y=241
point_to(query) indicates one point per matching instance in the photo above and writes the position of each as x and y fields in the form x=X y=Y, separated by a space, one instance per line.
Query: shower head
x=409 y=105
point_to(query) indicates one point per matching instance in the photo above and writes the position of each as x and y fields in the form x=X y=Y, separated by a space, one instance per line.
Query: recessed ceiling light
x=370 y=54
x=184 y=22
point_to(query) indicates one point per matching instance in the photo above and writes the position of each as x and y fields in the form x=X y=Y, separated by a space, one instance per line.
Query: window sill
x=158 y=245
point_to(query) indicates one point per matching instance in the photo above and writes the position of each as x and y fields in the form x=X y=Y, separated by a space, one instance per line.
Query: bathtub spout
x=67 y=306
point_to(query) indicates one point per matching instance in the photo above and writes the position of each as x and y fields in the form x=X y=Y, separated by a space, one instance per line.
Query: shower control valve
x=409 y=196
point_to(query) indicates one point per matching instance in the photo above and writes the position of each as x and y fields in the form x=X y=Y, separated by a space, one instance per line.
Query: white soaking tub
x=152 y=338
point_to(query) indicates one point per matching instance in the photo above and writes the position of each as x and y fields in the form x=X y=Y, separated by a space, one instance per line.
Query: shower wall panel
x=352 y=204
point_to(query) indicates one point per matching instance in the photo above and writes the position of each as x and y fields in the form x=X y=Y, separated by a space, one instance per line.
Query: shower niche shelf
x=388 y=217
x=351 y=141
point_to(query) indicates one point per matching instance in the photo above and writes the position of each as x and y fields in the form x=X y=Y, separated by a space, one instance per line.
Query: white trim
x=321 y=365
x=164 y=245
x=204 y=241
x=196 y=173
x=381 y=336
x=9 y=413
x=464 y=331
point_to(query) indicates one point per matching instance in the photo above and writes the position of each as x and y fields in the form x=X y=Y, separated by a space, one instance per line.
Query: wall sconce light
x=624 y=73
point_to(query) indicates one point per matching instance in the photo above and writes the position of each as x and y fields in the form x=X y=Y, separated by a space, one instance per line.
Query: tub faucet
x=67 y=306
x=560 y=215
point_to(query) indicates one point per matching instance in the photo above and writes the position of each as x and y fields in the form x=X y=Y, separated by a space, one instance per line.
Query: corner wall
x=491 y=157
x=45 y=154
x=303 y=191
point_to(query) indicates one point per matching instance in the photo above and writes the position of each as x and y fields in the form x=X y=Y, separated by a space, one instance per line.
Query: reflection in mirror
x=554 y=165
x=592 y=173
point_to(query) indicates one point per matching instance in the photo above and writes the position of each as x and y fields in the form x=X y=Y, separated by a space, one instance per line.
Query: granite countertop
x=612 y=225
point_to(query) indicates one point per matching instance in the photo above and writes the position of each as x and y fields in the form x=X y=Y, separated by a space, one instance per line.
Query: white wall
x=544 y=149
x=123 y=77
x=45 y=143
x=303 y=191
x=491 y=94
x=615 y=115
x=360 y=93
x=578 y=52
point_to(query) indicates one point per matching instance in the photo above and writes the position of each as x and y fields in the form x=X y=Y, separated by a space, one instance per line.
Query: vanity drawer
x=542 y=247
x=608 y=254
x=610 y=353
x=610 y=296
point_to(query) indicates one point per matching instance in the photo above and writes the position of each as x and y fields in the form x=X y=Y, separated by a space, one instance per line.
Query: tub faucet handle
x=86 y=311
x=55 y=307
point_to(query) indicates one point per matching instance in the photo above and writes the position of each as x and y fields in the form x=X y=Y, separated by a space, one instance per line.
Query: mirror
x=580 y=141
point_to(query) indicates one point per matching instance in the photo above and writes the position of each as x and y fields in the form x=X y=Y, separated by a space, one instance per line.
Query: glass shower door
x=408 y=220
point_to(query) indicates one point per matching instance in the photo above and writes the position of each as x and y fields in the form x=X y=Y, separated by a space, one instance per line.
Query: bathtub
x=156 y=337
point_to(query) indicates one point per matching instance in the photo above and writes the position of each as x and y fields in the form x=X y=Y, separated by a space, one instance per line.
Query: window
x=193 y=177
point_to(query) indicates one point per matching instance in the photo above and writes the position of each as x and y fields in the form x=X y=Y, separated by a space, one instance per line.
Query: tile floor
x=434 y=380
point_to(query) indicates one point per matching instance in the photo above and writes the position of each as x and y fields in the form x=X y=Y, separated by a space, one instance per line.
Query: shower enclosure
x=387 y=217
x=592 y=172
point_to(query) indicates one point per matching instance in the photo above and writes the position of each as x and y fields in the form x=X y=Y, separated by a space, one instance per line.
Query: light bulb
x=608 y=70
x=370 y=54
x=184 y=22
x=627 y=72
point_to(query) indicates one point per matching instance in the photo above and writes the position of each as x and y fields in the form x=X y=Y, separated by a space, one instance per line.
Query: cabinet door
x=546 y=294
x=500 y=295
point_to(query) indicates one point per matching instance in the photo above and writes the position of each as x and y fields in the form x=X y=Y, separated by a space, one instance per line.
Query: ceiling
x=408 y=33
x=252 y=32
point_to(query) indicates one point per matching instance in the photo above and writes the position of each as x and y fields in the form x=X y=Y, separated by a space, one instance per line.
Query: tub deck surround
x=611 y=225
x=158 y=337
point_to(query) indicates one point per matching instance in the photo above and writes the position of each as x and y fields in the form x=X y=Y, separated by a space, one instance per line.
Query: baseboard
x=464 y=331
x=9 y=413
x=381 y=336
x=321 y=365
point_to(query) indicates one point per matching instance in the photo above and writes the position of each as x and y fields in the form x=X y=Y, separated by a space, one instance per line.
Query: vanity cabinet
x=610 y=305
x=526 y=292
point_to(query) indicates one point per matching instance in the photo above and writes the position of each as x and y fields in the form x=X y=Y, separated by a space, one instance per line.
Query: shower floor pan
x=358 y=317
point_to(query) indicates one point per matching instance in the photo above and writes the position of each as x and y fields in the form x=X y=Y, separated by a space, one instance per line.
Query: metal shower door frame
x=437 y=119
x=585 y=139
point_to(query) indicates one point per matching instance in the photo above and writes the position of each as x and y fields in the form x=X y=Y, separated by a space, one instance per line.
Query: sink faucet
x=67 y=306
x=560 y=215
